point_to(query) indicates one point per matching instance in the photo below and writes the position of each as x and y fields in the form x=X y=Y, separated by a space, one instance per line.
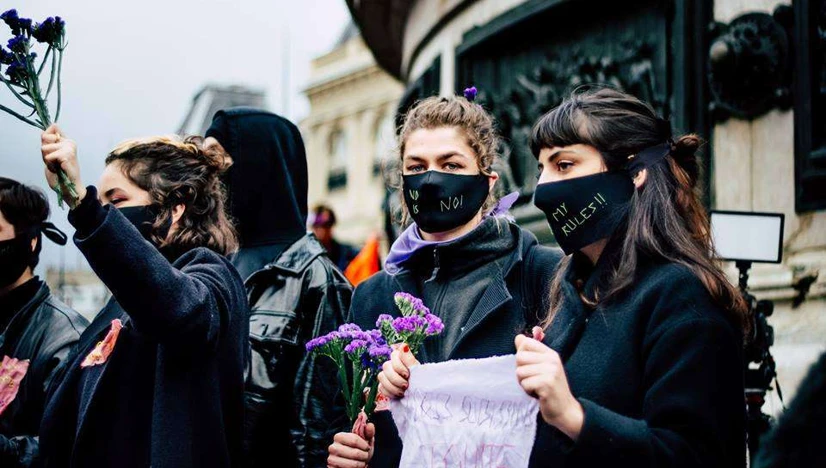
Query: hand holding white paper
x=470 y=413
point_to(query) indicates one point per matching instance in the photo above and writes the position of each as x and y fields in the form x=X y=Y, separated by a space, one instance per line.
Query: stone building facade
x=757 y=98
x=349 y=133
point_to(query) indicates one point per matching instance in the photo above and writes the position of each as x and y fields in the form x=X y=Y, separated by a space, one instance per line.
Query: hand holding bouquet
x=22 y=78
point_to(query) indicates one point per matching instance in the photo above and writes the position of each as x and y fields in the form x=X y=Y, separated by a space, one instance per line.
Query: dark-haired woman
x=642 y=363
x=158 y=377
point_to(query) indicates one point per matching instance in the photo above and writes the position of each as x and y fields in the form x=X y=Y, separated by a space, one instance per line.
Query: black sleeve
x=18 y=452
x=187 y=306
x=320 y=408
x=692 y=404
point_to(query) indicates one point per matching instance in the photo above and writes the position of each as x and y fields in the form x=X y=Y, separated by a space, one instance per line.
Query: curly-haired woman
x=158 y=378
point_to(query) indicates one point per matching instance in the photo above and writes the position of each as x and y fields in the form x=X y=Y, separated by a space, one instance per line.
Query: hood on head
x=267 y=182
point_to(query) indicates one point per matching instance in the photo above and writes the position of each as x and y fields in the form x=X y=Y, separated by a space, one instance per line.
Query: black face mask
x=584 y=210
x=143 y=217
x=15 y=256
x=439 y=202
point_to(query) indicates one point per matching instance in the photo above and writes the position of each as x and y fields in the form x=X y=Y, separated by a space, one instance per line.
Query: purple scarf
x=411 y=241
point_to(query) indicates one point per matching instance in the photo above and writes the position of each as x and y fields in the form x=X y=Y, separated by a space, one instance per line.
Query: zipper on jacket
x=435 y=264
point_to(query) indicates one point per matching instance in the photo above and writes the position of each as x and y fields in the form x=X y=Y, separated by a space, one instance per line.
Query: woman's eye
x=452 y=166
x=418 y=168
x=563 y=166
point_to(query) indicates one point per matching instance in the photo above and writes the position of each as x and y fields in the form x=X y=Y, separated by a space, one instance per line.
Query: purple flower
x=376 y=356
x=382 y=319
x=19 y=44
x=434 y=325
x=356 y=347
x=408 y=324
x=16 y=72
x=6 y=57
x=17 y=24
x=49 y=31
x=470 y=93
x=11 y=18
x=349 y=327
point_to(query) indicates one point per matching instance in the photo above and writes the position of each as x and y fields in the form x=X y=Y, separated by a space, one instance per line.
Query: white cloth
x=469 y=413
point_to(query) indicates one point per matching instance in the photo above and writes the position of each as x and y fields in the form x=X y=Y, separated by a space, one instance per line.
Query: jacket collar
x=496 y=294
x=22 y=316
x=296 y=258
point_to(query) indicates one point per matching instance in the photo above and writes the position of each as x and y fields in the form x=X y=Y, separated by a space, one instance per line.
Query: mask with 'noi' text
x=586 y=209
x=440 y=202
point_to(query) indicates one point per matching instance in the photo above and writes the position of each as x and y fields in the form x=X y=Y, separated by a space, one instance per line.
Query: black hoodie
x=267 y=183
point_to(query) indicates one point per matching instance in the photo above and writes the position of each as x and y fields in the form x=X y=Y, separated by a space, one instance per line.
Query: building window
x=384 y=141
x=338 y=160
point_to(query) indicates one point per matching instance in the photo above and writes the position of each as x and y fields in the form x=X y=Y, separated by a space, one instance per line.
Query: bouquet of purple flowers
x=359 y=354
x=22 y=75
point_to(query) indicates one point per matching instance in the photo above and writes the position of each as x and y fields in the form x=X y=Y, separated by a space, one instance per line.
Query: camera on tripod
x=746 y=238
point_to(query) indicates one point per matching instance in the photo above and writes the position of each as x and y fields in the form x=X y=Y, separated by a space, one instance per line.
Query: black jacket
x=658 y=371
x=171 y=392
x=512 y=285
x=43 y=331
x=293 y=407
x=294 y=290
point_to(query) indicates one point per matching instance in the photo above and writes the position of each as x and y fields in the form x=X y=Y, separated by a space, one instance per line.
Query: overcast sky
x=131 y=69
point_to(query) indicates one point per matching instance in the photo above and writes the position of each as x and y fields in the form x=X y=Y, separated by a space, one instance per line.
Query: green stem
x=370 y=405
x=15 y=114
x=355 y=396
x=16 y=94
x=59 y=87
x=45 y=59
x=51 y=77
x=345 y=388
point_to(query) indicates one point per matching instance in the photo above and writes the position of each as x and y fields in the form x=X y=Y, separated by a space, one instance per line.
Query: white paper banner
x=468 y=413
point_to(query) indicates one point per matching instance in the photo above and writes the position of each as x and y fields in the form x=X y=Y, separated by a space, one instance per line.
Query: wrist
x=571 y=420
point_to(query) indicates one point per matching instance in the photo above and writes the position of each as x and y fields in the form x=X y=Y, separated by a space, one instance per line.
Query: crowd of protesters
x=628 y=335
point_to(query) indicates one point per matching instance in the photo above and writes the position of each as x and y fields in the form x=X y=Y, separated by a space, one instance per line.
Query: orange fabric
x=104 y=348
x=366 y=264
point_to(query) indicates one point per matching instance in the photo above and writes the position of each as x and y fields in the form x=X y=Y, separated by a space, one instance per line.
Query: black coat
x=292 y=403
x=172 y=391
x=659 y=374
x=43 y=331
x=517 y=285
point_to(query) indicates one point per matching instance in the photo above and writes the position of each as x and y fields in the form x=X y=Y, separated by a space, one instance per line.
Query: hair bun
x=684 y=152
x=213 y=156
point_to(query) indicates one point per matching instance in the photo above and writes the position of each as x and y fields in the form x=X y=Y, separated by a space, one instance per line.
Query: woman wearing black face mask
x=158 y=377
x=642 y=365
x=483 y=275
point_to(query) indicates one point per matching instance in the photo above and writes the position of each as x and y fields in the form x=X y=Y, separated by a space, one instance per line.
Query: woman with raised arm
x=158 y=378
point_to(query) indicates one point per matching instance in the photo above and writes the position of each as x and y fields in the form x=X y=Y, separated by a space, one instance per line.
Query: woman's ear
x=177 y=212
x=640 y=178
x=492 y=178
x=34 y=244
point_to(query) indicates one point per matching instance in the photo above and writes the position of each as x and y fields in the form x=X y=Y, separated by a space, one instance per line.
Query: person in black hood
x=37 y=331
x=294 y=290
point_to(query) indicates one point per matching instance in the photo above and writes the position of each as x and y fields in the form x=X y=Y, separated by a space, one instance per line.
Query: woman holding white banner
x=643 y=363
x=485 y=277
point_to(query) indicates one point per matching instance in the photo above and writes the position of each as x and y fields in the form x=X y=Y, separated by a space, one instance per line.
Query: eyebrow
x=557 y=154
x=441 y=157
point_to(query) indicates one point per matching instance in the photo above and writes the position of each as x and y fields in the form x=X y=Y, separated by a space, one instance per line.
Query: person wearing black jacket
x=35 y=326
x=295 y=291
x=157 y=379
x=485 y=277
x=642 y=359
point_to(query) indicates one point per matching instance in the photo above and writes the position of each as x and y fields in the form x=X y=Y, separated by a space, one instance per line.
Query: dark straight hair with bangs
x=666 y=220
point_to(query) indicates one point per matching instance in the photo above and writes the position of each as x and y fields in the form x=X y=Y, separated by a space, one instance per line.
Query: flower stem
x=51 y=76
x=45 y=59
x=16 y=94
x=59 y=87
x=370 y=405
x=15 y=114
